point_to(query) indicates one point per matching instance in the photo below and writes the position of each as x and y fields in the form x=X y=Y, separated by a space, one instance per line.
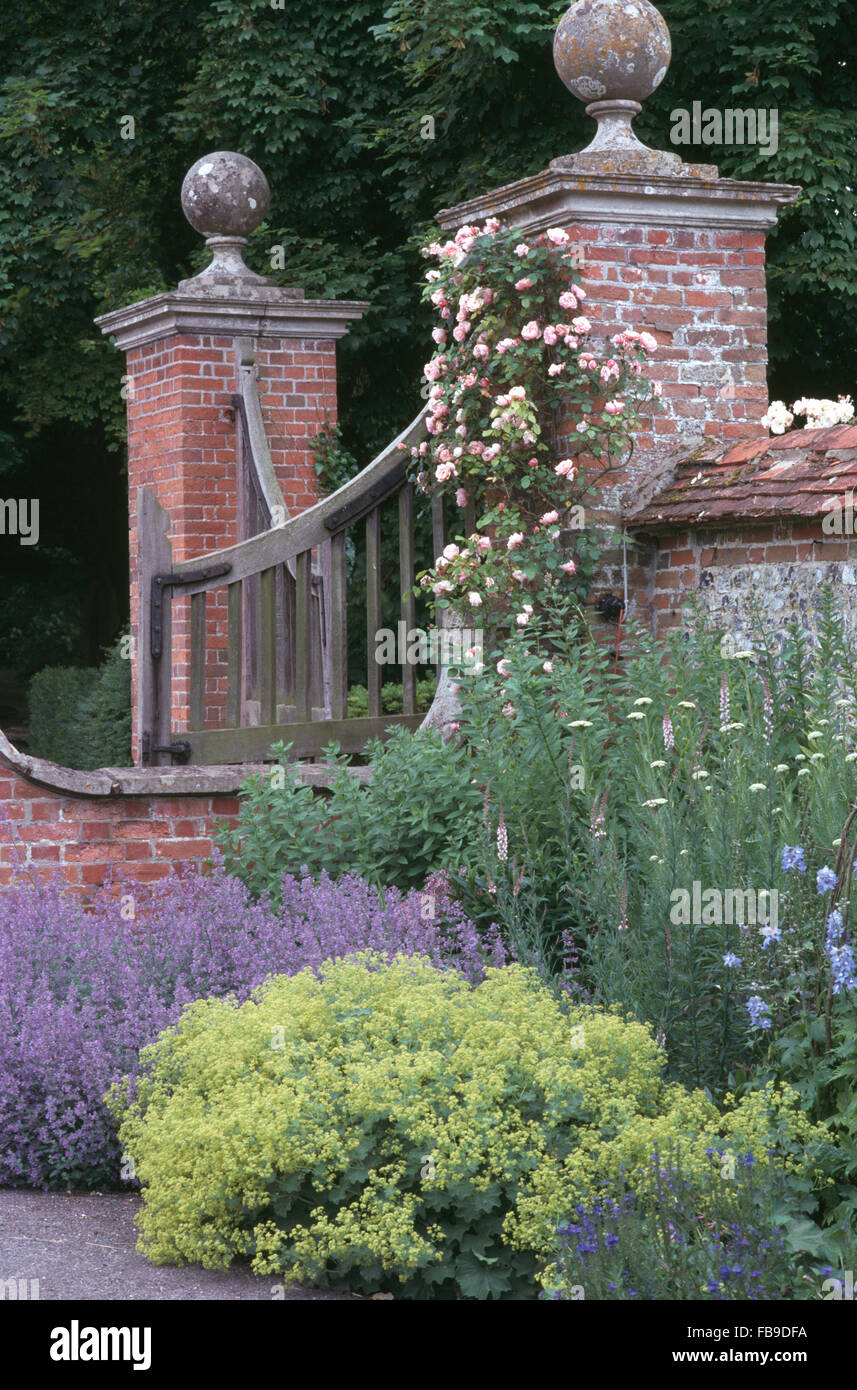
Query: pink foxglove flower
x=669 y=736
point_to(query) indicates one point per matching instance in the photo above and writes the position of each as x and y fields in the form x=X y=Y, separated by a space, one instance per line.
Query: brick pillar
x=183 y=352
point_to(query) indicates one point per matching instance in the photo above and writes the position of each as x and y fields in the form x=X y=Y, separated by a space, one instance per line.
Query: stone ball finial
x=606 y=50
x=224 y=197
x=225 y=194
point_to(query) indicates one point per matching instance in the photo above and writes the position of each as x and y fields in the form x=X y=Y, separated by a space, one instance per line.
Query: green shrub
x=357 y=704
x=81 y=717
x=416 y=814
x=389 y=1127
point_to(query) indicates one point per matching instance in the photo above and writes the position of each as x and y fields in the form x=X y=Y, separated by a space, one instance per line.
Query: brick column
x=184 y=351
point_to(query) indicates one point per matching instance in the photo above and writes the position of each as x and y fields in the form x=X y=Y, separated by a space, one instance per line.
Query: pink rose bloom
x=531 y=330
x=522 y=620
x=518 y=393
x=568 y=300
x=461 y=498
x=503 y=667
x=442 y=586
x=586 y=361
x=515 y=540
x=481 y=351
x=450 y=552
x=445 y=472
x=549 y=518
x=483 y=543
x=519 y=575
x=522 y=249
x=557 y=236
x=581 y=324
x=614 y=407
x=649 y=341
x=565 y=468
x=445 y=312
x=547 y=666
x=569 y=567
x=476 y=447
x=550 y=335
x=460 y=332
x=580 y=291
x=555 y=368
x=525 y=284
x=474 y=599
x=439 y=335
x=487 y=295
x=570 y=341
x=431 y=370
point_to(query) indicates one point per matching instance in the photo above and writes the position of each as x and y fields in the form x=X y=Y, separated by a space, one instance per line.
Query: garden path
x=81 y=1245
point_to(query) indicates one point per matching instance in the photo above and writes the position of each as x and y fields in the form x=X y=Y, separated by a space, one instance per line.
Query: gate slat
x=235 y=650
x=438 y=527
x=267 y=648
x=197 y=661
x=338 y=627
x=406 y=580
x=303 y=618
x=373 y=609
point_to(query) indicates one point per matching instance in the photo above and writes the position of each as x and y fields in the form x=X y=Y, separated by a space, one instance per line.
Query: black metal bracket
x=179 y=751
x=162 y=582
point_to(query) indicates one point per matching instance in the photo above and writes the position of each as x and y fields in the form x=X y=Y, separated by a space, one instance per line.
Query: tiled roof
x=789 y=475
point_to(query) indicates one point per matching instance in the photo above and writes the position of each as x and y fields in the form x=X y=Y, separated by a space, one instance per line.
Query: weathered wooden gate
x=283 y=594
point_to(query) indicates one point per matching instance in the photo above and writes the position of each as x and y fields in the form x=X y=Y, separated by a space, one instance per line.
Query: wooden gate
x=283 y=592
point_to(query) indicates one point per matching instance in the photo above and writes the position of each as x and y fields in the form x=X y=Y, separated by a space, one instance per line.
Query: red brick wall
x=182 y=443
x=702 y=294
x=43 y=833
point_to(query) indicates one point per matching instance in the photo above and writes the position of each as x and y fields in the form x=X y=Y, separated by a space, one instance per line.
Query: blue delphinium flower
x=793 y=858
x=833 y=930
x=731 y=960
x=758 y=1010
x=825 y=879
x=770 y=934
x=842 y=967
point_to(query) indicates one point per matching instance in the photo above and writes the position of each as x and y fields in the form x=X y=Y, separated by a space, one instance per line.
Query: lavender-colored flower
x=758 y=1011
x=833 y=929
x=793 y=858
x=770 y=935
x=730 y=960
x=825 y=879
x=82 y=990
x=842 y=968
x=669 y=736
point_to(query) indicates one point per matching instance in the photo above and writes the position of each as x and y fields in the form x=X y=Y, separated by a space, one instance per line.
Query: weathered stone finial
x=224 y=197
x=612 y=54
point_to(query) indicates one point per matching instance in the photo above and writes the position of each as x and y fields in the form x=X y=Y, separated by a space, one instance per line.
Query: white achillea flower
x=800 y=757
x=698 y=775
x=758 y=787
x=656 y=801
x=686 y=704
x=781 y=767
x=815 y=733
x=850 y=757
x=659 y=762
x=727 y=727
x=815 y=757
x=580 y=724
x=643 y=700
x=636 y=714
x=803 y=772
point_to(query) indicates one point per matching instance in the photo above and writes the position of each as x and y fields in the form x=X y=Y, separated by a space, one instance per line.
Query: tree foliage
x=332 y=101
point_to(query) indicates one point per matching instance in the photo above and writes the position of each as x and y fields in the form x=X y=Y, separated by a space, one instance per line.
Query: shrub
x=81 y=717
x=416 y=815
x=82 y=990
x=390 y=1126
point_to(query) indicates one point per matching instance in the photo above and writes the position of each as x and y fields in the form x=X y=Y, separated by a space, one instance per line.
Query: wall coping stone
x=221 y=780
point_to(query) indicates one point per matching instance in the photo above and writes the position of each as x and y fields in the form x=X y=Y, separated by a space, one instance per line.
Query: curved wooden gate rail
x=286 y=604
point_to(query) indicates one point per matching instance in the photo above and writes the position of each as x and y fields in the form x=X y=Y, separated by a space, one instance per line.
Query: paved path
x=81 y=1245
